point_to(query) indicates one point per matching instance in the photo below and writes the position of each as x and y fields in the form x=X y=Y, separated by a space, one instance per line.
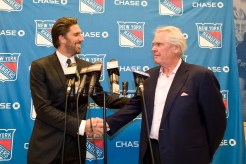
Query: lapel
x=178 y=82
x=79 y=63
x=149 y=89
x=55 y=63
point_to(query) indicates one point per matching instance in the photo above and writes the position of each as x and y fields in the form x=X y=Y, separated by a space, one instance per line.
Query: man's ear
x=62 y=39
x=177 y=49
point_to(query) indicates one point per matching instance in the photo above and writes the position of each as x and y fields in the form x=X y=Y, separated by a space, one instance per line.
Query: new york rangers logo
x=209 y=35
x=131 y=34
x=225 y=100
x=6 y=144
x=11 y=5
x=94 y=149
x=9 y=66
x=92 y=6
x=43 y=32
x=94 y=58
x=171 y=7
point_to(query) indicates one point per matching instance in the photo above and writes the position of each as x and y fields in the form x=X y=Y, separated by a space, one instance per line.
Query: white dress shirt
x=163 y=85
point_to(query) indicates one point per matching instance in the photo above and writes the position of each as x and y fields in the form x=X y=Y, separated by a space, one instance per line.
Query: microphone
x=72 y=75
x=113 y=72
x=124 y=88
x=95 y=71
x=82 y=83
x=139 y=78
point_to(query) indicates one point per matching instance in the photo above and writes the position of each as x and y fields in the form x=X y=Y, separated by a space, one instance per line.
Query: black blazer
x=192 y=126
x=48 y=90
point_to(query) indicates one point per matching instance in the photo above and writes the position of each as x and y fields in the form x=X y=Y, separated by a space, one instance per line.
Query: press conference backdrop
x=240 y=29
x=114 y=29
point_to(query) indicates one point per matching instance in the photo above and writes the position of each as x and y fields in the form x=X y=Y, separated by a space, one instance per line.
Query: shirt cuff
x=82 y=127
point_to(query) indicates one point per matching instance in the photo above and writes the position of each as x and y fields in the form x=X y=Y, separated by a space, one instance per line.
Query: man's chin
x=78 y=52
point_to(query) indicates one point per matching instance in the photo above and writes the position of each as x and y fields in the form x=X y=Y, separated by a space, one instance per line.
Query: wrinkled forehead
x=160 y=37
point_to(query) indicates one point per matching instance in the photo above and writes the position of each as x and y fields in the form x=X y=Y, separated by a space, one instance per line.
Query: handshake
x=94 y=127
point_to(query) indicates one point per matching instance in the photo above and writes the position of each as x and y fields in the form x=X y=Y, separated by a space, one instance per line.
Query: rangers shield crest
x=94 y=149
x=92 y=6
x=43 y=32
x=131 y=34
x=93 y=58
x=6 y=144
x=9 y=66
x=13 y=5
x=171 y=7
x=209 y=35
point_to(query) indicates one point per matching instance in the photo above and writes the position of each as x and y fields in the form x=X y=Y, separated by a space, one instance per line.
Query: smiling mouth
x=78 y=45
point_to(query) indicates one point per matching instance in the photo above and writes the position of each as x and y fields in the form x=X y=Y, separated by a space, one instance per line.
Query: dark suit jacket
x=48 y=89
x=191 y=127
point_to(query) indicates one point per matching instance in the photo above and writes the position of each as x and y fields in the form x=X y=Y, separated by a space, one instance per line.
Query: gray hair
x=174 y=36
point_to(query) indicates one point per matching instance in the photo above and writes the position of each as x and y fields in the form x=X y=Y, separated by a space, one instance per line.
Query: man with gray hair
x=184 y=107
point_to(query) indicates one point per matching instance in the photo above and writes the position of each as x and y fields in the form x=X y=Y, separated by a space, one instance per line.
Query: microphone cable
x=78 y=124
x=65 y=129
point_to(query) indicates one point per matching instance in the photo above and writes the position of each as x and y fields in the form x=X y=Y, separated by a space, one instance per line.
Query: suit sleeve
x=126 y=114
x=111 y=102
x=42 y=99
x=213 y=110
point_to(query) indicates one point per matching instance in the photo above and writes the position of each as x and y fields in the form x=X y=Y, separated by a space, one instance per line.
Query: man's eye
x=77 y=34
x=156 y=44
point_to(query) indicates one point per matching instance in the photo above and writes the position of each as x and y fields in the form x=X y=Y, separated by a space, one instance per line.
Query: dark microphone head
x=95 y=72
x=139 y=77
x=113 y=67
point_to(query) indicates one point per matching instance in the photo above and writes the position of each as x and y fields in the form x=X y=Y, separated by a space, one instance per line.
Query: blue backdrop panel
x=122 y=30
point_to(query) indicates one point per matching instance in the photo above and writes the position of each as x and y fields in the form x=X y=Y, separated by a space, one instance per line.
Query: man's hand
x=94 y=126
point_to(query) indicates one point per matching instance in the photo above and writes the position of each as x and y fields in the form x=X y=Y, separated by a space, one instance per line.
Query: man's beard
x=74 y=49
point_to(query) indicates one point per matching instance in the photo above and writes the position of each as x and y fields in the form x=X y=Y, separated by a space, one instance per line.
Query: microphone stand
x=78 y=124
x=141 y=88
x=104 y=129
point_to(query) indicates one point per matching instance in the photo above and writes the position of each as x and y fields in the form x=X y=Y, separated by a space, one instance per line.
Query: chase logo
x=94 y=58
x=131 y=34
x=6 y=144
x=53 y=2
x=208 y=4
x=171 y=7
x=11 y=5
x=91 y=6
x=131 y=3
x=9 y=66
x=94 y=149
x=225 y=100
x=209 y=35
x=43 y=32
